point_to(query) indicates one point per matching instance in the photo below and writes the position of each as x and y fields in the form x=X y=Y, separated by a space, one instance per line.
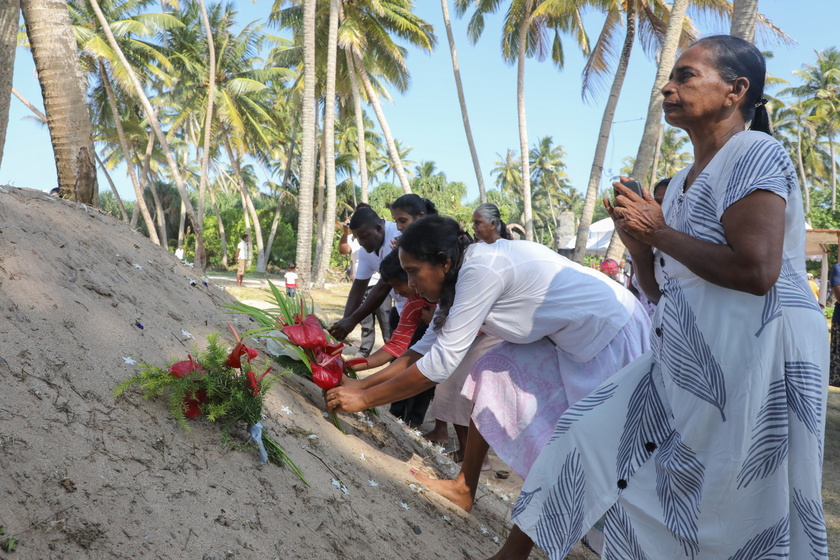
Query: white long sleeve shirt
x=520 y=292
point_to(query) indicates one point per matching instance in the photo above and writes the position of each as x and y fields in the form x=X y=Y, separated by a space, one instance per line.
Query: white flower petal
x=404 y=506
x=373 y=483
x=129 y=360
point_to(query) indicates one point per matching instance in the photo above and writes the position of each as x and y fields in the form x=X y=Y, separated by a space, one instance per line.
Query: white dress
x=710 y=446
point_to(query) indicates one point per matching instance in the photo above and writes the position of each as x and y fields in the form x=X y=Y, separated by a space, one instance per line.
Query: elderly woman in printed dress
x=710 y=447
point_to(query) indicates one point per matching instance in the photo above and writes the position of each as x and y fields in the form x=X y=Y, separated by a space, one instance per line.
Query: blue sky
x=428 y=118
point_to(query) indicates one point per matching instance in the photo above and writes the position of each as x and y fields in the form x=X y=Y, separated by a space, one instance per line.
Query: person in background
x=291 y=280
x=610 y=268
x=659 y=190
x=412 y=324
x=815 y=287
x=834 y=364
x=487 y=224
x=179 y=253
x=366 y=297
x=241 y=259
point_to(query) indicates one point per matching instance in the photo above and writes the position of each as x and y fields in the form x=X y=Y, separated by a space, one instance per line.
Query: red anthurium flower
x=327 y=372
x=333 y=349
x=234 y=359
x=180 y=369
x=252 y=382
x=308 y=334
x=194 y=403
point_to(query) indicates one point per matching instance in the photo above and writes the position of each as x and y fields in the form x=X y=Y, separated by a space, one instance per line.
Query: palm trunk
x=200 y=257
x=9 y=18
x=319 y=204
x=221 y=225
x=523 y=127
x=744 y=16
x=307 y=174
x=146 y=175
x=833 y=172
x=211 y=94
x=284 y=185
x=604 y=136
x=360 y=126
x=373 y=99
x=117 y=198
x=806 y=194
x=327 y=229
x=126 y=150
x=63 y=85
x=247 y=204
x=648 y=153
x=462 y=101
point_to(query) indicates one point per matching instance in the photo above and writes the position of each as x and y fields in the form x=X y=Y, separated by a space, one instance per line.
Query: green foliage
x=222 y=393
x=9 y=544
x=382 y=196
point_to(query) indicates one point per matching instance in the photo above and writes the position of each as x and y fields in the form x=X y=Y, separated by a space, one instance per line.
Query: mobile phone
x=633 y=185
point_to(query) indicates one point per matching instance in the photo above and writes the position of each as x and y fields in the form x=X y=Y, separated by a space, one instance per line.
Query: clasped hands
x=637 y=219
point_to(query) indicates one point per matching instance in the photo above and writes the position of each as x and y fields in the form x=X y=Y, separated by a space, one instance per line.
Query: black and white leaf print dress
x=710 y=446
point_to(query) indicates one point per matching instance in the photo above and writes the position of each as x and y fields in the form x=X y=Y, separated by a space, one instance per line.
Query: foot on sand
x=453 y=490
x=437 y=436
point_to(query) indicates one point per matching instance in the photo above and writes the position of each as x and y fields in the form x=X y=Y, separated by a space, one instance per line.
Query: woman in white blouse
x=580 y=326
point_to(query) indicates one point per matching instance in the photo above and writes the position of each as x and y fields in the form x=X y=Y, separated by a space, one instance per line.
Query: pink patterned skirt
x=520 y=391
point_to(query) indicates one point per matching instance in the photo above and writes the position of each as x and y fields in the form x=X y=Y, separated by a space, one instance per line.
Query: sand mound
x=83 y=475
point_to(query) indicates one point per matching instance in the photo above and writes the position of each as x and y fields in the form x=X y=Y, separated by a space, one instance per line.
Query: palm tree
x=820 y=95
x=672 y=155
x=444 y=5
x=744 y=16
x=9 y=17
x=303 y=254
x=327 y=230
x=54 y=49
x=793 y=128
x=211 y=93
x=200 y=257
x=366 y=32
x=507 y=171
x=525 y=32
x=548 y=176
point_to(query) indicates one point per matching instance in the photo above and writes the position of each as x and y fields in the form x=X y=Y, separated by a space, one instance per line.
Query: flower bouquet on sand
x=220 y=385
x=299 y=341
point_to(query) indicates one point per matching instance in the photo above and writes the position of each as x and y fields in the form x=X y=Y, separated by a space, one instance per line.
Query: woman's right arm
x=400 y=364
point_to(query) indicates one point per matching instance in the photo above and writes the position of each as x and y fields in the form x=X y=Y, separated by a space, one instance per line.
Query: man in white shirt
x=241 y=259
x=368 y=294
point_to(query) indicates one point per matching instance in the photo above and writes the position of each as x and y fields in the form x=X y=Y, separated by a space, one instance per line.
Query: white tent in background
x=599 y=237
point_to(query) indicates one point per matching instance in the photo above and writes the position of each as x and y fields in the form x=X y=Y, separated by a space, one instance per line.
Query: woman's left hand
x=344 y=399
x=638 y=216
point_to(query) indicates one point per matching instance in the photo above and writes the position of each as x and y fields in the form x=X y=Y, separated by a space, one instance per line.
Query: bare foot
x=438 y=434
x=453 y=490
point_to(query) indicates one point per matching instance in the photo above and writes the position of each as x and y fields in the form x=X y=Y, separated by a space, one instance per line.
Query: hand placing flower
x=344 y=399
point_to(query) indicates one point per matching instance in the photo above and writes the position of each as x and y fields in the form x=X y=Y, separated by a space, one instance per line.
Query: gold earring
x=728 y=103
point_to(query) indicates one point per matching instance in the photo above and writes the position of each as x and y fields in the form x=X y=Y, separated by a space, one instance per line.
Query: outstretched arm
x=405 y=384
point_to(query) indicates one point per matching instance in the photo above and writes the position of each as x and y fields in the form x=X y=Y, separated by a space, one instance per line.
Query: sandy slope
x=83 y=475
